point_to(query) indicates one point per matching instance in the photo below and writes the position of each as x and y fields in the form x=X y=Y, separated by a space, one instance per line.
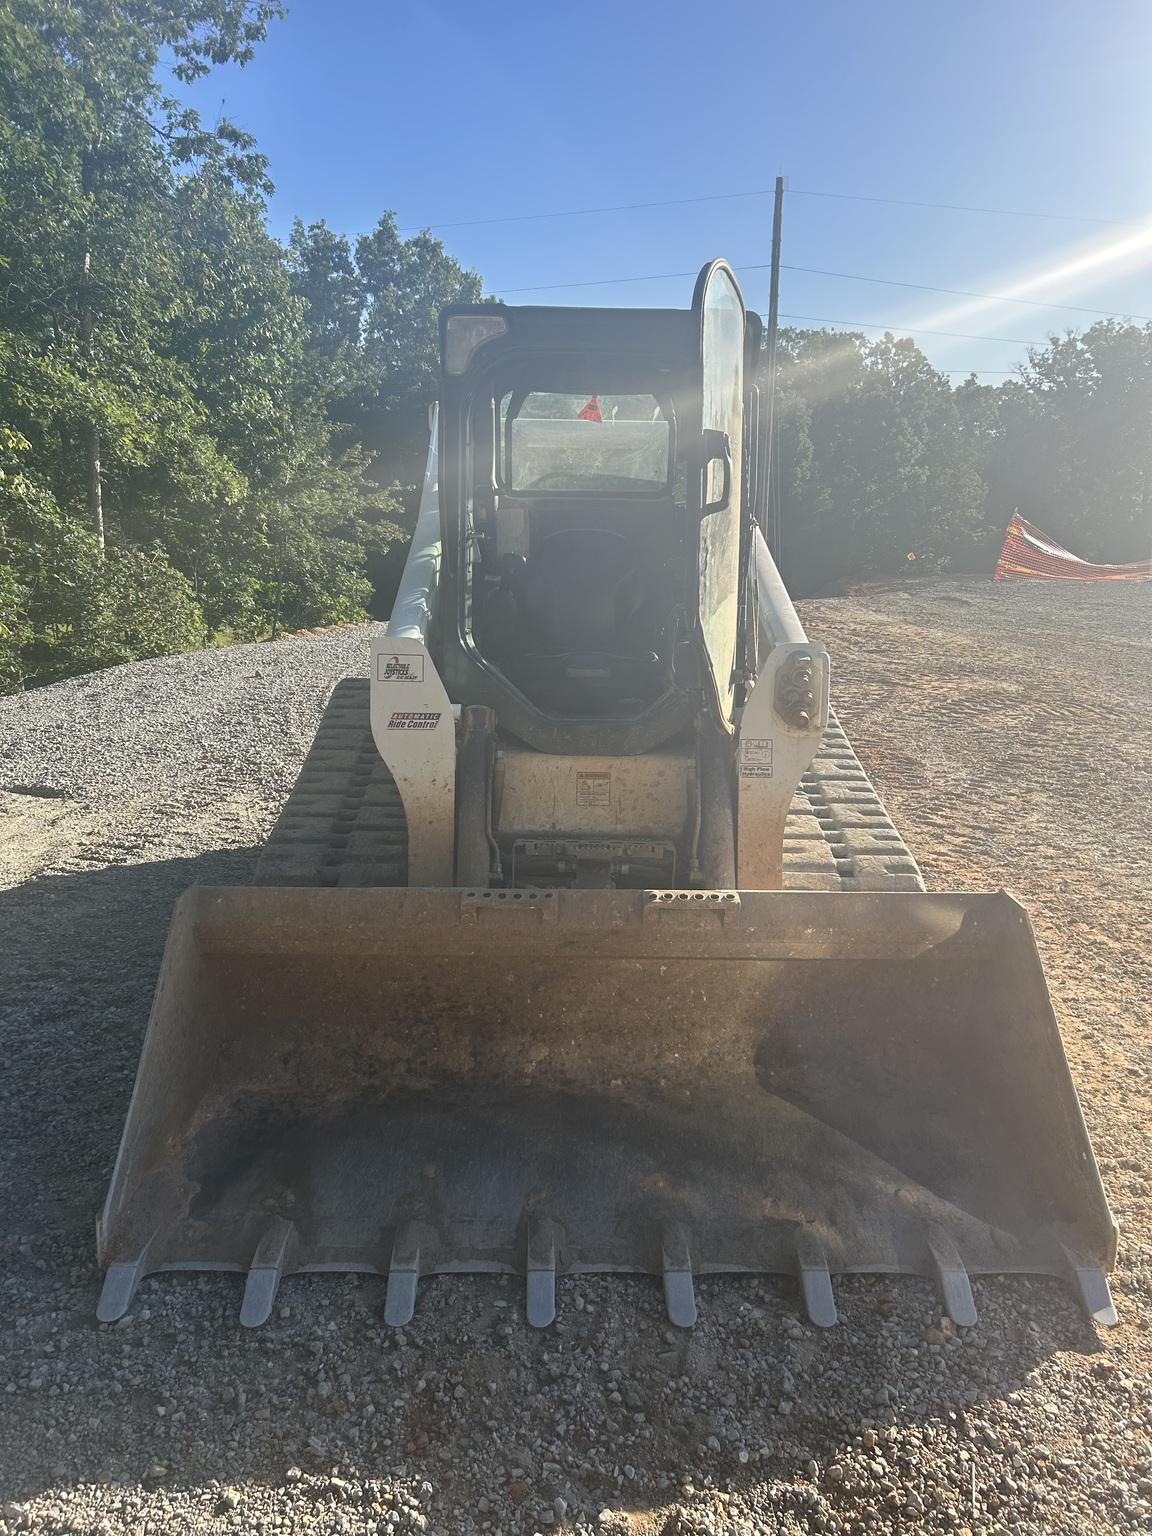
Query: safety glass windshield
x=585 y=443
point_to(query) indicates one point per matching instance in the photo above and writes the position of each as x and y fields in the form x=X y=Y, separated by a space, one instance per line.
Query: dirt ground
x=1009 y=731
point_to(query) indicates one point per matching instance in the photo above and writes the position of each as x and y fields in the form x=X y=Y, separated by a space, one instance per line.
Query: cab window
x=584 y=443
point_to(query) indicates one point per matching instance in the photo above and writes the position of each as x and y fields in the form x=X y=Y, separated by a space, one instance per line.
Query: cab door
x=717 y=486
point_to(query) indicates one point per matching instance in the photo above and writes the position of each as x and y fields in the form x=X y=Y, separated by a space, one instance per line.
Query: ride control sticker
x=399 y=669
x=755 y=759
x=594 y=789
x=410 y=720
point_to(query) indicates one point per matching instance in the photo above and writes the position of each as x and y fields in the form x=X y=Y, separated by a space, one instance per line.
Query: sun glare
x=1071 y=271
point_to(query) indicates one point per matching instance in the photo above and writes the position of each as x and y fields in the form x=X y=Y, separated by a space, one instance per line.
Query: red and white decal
x=399 y=669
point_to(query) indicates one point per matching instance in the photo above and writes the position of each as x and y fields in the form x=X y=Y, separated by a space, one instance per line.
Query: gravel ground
x=1008 y=730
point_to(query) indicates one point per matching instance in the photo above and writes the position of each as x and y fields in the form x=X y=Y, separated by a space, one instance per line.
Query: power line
x=910 y=330
x=856 y=277
x=862 y=325
x=966 y=293
x=888 y=282
x=1011 y=213
x=723 y=197
x=605 y=282
x=576 y=213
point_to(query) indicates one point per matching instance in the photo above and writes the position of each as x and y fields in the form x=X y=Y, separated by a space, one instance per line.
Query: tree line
x=885 y=467
x=200 y=426
x=207 y=434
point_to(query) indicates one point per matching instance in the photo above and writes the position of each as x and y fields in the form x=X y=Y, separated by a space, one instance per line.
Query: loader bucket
x=409 y=1082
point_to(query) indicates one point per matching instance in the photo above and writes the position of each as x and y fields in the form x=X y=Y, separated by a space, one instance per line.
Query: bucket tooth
x=1091 y=1285
x=265 y=1273
x=541 y=1274
x=120 y=1285
x=403 y=1276
x=952 y=1278
x=679 y=1289
x=815 y=1280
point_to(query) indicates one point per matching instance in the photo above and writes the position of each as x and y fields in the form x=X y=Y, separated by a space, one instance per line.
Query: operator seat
x=587 y=631
x=581 y=590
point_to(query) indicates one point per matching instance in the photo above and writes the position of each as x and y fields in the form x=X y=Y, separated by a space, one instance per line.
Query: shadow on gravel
x=77 y=969
x=613 y=1408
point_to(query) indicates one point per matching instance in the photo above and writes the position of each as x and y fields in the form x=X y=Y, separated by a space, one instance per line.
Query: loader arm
x=780 y=727
x=413 y=719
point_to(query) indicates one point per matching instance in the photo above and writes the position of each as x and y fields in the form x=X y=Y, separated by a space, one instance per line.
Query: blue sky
x=449 y=112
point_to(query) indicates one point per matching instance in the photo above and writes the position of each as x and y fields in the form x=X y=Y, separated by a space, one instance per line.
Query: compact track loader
x=584 y=942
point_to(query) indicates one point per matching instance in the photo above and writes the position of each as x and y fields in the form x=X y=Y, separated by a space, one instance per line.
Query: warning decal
x=594 y=789
x=409 y=720
x=399 y=669
x=755 y=759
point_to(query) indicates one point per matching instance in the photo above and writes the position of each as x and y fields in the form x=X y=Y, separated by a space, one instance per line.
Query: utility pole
x=772 y=532
x=91 y=432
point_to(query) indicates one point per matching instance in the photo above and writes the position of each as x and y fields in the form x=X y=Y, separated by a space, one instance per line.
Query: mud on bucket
x=407 y=1082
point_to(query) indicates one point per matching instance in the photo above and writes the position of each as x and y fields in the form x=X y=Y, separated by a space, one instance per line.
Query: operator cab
x=574 y=593
x=570 y=475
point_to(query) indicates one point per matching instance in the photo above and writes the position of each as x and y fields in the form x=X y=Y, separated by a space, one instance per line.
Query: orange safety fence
x=1029 y=554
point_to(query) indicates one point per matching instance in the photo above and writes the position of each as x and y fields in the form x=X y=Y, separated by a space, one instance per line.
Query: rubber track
x=839 y=837
x=343 y=823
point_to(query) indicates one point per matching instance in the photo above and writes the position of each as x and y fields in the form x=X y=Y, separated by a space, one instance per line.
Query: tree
x=175 y=411
x=325 y=277
x=875 y=474
x=373 y=313
x=88 y=142
x=66 y=605
x=1076 y=450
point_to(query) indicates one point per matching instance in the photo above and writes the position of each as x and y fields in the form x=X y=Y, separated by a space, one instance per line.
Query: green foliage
x=885 y=468
x=128 y=605
x=15 y=631
x=163 y=385
x=65 y=605
x=1071 y=444
x=373 y=313
x=875 y=476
